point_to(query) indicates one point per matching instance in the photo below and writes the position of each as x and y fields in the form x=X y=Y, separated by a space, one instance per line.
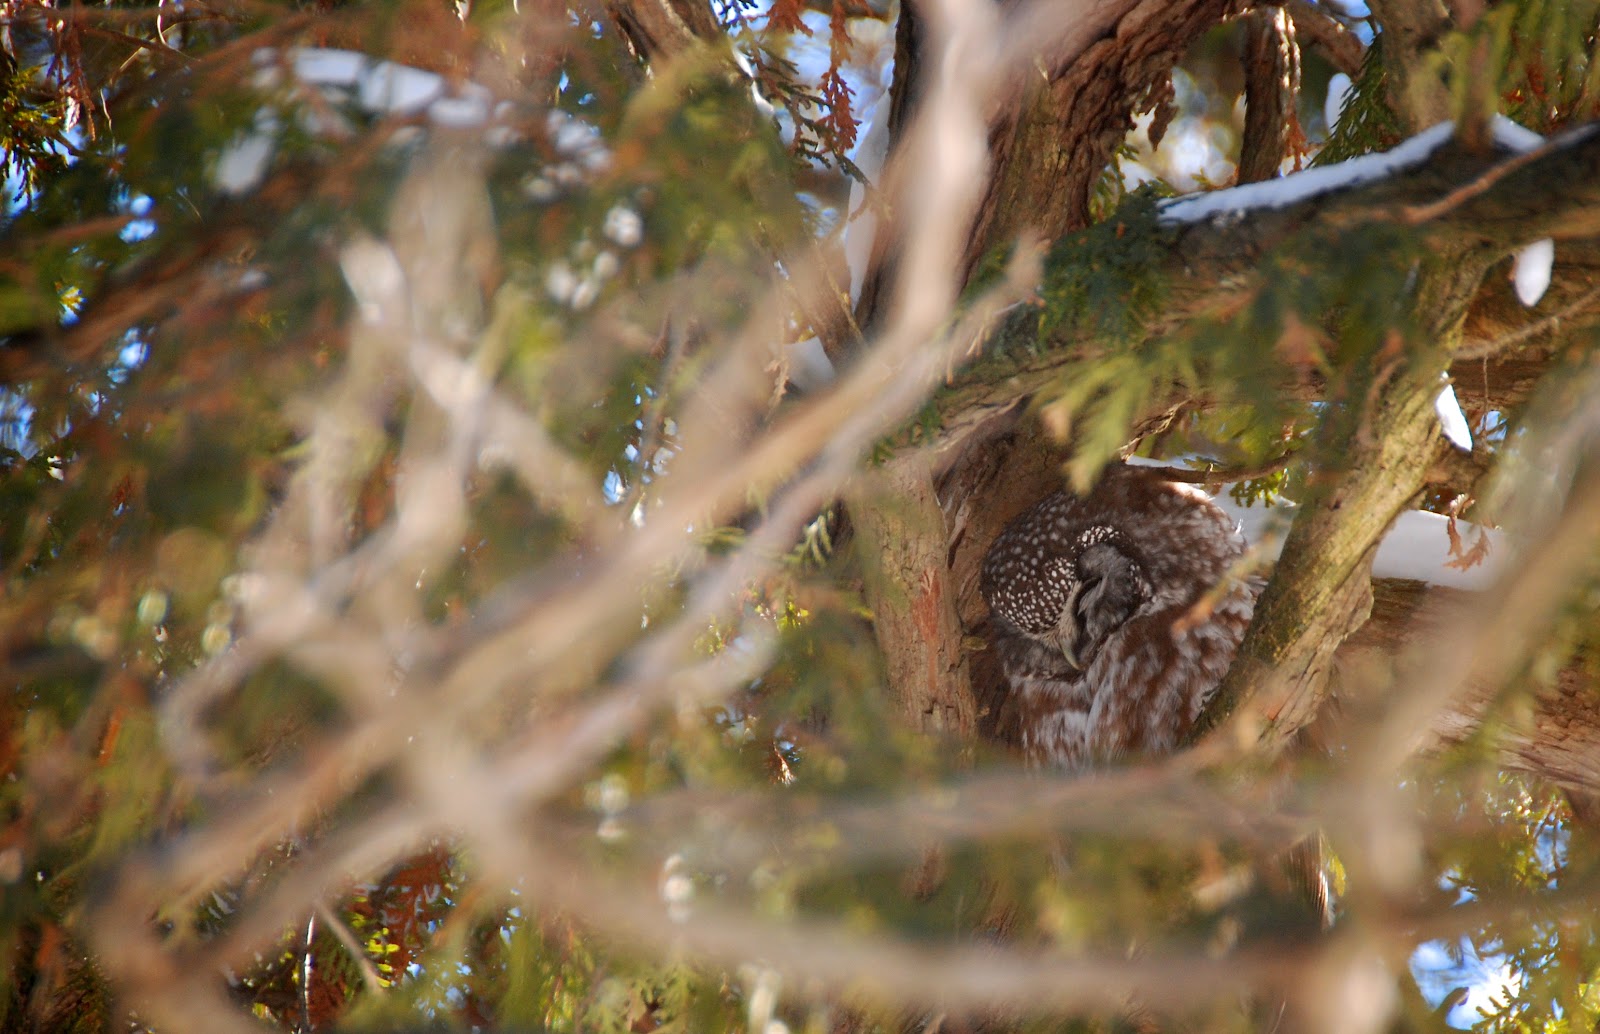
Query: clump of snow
x=1512 y=137
x=243 y=164
x=624 y=227
x=1338 y=93
x=1311 y=183
x=1416 y=548
x=398 y=89
x=320 y=66
x=809 y=367
x=1452 y=421
x=1530 y=273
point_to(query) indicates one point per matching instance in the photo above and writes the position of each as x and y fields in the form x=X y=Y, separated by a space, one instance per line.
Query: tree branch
x=1271 y=85
x=1341 y=46
x=1373 y=464
x=1211 y=262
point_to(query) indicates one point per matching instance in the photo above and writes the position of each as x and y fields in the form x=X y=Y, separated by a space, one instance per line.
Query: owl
x=1114 y=616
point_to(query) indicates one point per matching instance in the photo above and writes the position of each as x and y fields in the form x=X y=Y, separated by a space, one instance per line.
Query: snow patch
x=1512 y=137
x=1338 y=93
x=1452 y=421
x=320 y=66
x=243 y=164
x=809 y=366
x=1530 y=273
x=1236 y=202
x=1301 y=186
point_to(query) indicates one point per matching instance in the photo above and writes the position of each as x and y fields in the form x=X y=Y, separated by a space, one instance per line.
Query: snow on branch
x=1237 y=202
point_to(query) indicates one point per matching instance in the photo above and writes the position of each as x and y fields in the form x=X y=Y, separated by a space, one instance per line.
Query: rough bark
x=1320 y=592
x=901 y=532
x=1271 y=84
x=658 y=30
x=1374 y=453
x=1062 y=120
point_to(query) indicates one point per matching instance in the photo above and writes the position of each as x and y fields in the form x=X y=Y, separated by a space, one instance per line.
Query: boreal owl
x=1105 y=618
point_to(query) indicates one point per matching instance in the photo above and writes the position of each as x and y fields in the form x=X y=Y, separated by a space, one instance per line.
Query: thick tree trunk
x=901 y=535
x=1053 y=144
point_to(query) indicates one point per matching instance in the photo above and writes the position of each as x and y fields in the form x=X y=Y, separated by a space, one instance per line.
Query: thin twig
x=1545 y=325
x=1415 y=215
x=1218 y=475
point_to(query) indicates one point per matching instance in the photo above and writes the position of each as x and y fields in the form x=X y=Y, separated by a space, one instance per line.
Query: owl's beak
x=1064 y=644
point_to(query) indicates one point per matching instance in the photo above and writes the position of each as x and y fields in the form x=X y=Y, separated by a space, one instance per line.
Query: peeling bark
x=1052 y=145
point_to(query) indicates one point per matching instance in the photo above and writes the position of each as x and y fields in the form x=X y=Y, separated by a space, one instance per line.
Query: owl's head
x=1071 y=599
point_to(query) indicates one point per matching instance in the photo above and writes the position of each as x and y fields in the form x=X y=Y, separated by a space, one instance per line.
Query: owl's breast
x=1050 y=719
